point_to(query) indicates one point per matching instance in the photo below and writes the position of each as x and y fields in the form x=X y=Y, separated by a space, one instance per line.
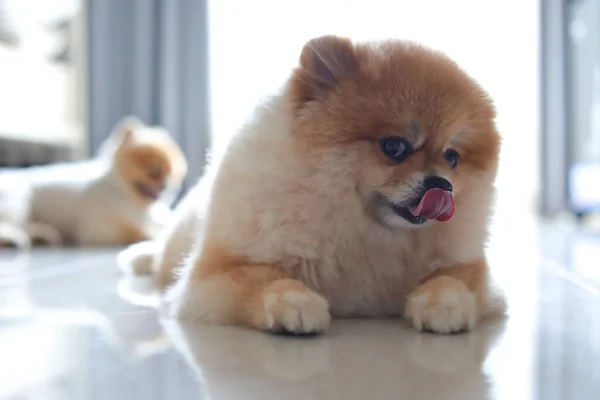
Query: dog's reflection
x=355 y=360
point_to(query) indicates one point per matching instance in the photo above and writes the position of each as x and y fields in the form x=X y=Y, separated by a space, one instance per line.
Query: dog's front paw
x=291 y=307
x=442 y=305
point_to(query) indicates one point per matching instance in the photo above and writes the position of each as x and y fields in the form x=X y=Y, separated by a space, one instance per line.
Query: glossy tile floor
x=70 y=328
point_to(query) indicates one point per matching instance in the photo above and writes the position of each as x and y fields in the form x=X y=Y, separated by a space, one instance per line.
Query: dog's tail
x=138 y=259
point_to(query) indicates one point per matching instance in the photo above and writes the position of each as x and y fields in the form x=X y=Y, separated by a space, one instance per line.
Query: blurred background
x=70 y=69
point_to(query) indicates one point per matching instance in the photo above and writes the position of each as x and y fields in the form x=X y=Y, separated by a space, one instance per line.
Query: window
x=41 y=71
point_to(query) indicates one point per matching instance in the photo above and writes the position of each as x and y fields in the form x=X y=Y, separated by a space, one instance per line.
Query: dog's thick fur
x=286 y=227
x=119 y=197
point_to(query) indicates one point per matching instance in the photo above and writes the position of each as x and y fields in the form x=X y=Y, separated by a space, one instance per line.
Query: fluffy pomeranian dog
x=362 y=189
x=122 y=196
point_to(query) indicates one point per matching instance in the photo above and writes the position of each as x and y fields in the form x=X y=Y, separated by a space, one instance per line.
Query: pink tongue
x=435 y=203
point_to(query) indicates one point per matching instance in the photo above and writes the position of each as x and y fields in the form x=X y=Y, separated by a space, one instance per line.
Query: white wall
x=41 y=100
x=255 y=43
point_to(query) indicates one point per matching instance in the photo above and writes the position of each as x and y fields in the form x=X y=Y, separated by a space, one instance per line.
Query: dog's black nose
x=432 y=182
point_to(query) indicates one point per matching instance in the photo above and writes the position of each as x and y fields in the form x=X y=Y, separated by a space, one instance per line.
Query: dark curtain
x=149 y=58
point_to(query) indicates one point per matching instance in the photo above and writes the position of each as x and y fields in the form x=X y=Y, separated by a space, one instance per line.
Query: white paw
x=296 y=311
x=137 y=259
x=12 y=236
x=442 y=305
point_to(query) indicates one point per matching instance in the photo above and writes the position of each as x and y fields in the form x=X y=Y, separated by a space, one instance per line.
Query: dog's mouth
x=434 y=203
x=147 y=191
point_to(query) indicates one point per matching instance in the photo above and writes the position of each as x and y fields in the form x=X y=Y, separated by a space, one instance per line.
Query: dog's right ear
x=325 y=62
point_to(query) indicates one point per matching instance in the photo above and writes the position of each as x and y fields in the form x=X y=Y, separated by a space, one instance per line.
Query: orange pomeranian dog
x=121 y=196
x=363 y=188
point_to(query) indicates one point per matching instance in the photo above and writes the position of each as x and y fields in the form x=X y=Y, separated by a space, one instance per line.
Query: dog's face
x=149 y=161
x=405 y=124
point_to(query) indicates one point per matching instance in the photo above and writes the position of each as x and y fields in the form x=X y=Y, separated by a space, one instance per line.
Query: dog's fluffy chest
x=364 y=274
x=360 y=267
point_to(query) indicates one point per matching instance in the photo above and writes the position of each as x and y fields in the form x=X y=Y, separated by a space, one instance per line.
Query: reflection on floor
x=67 y=332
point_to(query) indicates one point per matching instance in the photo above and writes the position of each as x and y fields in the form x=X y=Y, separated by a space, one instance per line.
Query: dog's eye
x=395 y=148
x=452 y=157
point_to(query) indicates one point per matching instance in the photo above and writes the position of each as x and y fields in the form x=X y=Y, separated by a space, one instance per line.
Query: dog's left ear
x=121 y=136
x=325 y=62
